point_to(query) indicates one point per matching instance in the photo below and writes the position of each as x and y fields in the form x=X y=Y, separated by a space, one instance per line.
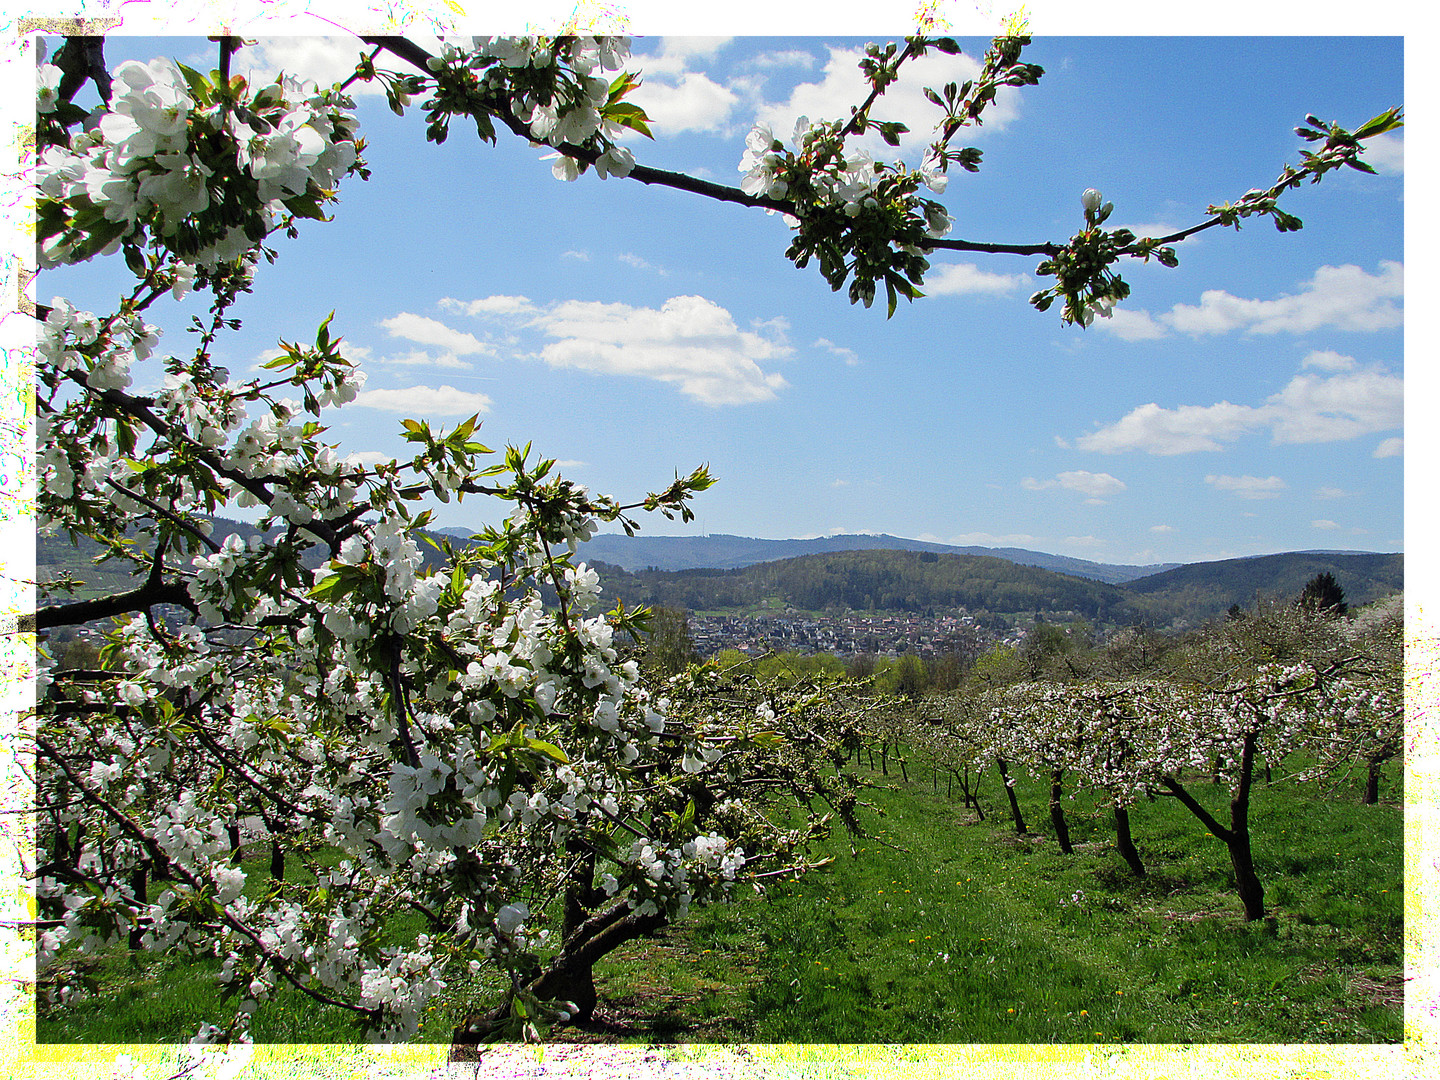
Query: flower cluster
x=861 y=218
x=548 y=88
x=203 y=170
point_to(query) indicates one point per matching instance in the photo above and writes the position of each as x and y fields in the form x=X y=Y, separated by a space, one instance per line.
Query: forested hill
x=931 y=581
x=1209 y=588
x=915 y=581
x=719 y=551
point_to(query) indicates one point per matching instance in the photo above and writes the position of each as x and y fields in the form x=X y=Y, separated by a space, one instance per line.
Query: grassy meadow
x=941 y=928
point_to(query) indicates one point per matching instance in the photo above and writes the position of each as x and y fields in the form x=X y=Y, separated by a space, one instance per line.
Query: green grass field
x=943 y=929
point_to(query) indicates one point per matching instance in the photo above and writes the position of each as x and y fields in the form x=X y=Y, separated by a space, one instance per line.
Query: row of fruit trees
x=1318 y=697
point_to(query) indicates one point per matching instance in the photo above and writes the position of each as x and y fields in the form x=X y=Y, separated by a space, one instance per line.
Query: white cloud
x=424 y=401
x=850 y=356
x=1323 y=523
x=1332 y=493
x=1314 y=409
x=1130 y=325
x=842 y=85
x=676 y=52
x=490 y=305
x=782 y=58
x=1085 y=541
x=1089 y=483
x=1390 y=448
x=1184 y=430
x=1310 y=409
x=677 y=98
x=580 y=256
x=1095 y=485
x=960 y=279
x=1249 y=487
x=691 y=101
x=1386 y=153
x=1329 y=360
x=638 y=263
x=428 y=331
x=323 y=60
x=1162 y=528
x=689 y=341
x=420 y=358
x=370 y=458
x=1345 y=297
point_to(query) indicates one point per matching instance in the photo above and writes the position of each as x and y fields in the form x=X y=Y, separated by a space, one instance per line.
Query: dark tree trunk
x=1247 y=883
x=1057 y=812
x=232 y=830
x=971 y=791
x=570 y=976
x=1010 y=791
x=277 y=860
x=1237 y=836
x=1124 y=843
x=1372 y=782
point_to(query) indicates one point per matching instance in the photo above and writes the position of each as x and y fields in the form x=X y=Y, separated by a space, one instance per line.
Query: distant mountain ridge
x=721 y=551
x=1211 y=587
x=920 y=582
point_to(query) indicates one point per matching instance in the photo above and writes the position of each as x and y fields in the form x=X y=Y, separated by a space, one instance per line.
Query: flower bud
x=1091 y=199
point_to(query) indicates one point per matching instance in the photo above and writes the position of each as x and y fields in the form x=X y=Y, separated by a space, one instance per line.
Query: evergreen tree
x=1323 y=594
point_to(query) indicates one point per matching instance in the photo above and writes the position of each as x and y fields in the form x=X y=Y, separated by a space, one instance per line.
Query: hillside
x=898 y=580
x=719 y=551
x=1209 y=588
x=909 y=581
x=923 y=582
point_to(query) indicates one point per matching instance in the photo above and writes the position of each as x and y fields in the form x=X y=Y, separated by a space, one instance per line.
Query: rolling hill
x=719 y=551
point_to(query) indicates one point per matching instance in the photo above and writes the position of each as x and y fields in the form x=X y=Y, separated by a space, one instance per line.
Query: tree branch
x=105 y=607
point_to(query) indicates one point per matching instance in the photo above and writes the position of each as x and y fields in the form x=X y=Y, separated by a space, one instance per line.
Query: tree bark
x=1057 y=812
x=1125 y=843
x=1247 y=883
x=1372 y=781
x=1010 y=791
x=1237 y=836
x=570 y=976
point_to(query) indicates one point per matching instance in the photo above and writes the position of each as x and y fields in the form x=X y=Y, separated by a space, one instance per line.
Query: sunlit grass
x=942 y=929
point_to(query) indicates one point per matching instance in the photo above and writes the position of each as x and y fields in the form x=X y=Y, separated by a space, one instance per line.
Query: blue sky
x=1249 y=401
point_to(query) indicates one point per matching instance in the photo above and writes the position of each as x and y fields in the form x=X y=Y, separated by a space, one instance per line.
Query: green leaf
x=331 y=587
x=550 y=750
x=1389 y=120
x=628 y=114
x=306 y=206
x=198 y=84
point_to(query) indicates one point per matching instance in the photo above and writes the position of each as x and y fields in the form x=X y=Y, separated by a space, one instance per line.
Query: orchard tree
x=1333 y=706
x=1323 y=593
x=455 y=747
